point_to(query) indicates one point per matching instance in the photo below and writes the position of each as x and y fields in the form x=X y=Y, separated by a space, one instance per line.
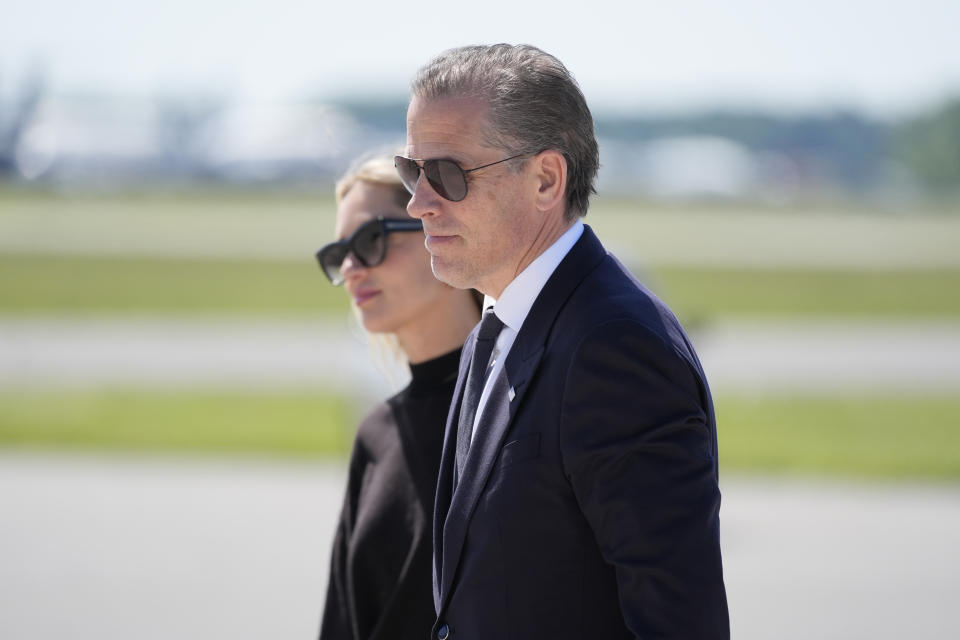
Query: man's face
x=480 y=241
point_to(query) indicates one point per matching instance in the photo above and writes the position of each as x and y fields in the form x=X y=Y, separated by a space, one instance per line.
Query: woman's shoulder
x=377 y=420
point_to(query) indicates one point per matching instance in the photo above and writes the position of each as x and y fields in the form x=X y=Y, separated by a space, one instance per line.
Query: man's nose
x=424 y=201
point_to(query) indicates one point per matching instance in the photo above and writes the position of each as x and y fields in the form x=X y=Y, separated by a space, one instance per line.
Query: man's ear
x=551 y=174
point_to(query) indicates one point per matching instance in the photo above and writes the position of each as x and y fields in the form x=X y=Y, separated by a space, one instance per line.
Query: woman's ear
x=551 y=173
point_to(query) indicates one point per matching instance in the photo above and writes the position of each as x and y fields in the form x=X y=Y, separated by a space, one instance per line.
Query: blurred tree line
x=857 y=151
x=839 y=152
x=929 y=145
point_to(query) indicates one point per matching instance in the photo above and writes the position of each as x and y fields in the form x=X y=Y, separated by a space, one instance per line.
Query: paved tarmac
x=145 y=547
x=108 y=548
x=169 y=352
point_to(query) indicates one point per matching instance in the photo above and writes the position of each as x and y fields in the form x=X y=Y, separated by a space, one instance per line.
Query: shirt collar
x=514 y=303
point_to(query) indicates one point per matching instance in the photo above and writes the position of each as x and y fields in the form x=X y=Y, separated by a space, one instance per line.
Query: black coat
x=380 y=583
x=589 y=504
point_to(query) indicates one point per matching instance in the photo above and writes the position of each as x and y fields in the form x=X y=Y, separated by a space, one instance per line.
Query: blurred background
x=179 y=385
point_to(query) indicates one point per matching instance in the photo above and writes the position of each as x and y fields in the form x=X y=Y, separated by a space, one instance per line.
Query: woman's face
x=393 y=295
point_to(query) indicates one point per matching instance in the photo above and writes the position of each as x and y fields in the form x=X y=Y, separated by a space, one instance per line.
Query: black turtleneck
x=380 y=569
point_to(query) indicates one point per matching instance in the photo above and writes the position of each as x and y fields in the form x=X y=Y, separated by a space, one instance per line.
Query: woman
x=380 y=571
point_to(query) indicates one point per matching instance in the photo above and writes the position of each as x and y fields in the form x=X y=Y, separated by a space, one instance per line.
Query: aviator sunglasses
x=368 y=243
x=446 y=177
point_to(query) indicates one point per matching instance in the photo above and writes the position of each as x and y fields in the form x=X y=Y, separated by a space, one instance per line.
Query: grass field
x=89 y=284
x=286 y=424
x=883 y=436
x=757 y=293
x=84 y=284
x=857 y=436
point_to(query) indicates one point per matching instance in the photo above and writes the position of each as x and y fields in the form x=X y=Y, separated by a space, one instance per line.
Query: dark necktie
x=490 y=327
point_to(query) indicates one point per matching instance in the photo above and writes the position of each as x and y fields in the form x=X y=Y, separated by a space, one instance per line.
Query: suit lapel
x=448 y=467
x=495 y=420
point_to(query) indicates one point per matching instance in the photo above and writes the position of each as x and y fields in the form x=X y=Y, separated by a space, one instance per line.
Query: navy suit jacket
x=588 y=506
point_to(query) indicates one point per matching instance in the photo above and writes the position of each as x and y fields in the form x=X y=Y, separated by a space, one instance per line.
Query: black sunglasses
x=368 y=243
x=446 y=177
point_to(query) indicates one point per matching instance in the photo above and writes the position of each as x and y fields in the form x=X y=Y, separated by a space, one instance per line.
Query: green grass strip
x=891 y=437
x=719 y=291
x=61 y=284
x=284 y=424
x=34 y=284
x=868 y=436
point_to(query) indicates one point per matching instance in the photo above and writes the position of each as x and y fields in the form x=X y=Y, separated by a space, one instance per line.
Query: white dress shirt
x=514 y=304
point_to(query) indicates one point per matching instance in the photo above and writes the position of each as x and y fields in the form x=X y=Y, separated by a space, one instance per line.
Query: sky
x=884 y=57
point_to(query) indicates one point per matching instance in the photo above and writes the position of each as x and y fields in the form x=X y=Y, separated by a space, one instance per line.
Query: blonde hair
x=376 y=170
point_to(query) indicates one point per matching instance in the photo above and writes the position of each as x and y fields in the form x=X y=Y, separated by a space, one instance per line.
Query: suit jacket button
x=443 y=632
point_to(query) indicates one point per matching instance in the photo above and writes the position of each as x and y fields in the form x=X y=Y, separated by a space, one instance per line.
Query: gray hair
x=535 y=104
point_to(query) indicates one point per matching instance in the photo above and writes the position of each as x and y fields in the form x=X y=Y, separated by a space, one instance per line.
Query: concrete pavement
x=145 y=547
x=223 y=352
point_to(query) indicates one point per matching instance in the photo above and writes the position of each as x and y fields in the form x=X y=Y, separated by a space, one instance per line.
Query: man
x=578 y=491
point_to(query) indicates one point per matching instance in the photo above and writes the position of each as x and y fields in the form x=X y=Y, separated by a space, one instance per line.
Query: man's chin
x=448 y=273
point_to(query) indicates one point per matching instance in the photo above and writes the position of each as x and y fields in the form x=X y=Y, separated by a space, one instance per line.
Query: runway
x=144 y=547
x=149 y=352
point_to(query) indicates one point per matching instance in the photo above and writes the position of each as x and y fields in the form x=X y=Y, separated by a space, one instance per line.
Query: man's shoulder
x=606 y=283
x=591 y=294
x=613 y=318
x=612 y=293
